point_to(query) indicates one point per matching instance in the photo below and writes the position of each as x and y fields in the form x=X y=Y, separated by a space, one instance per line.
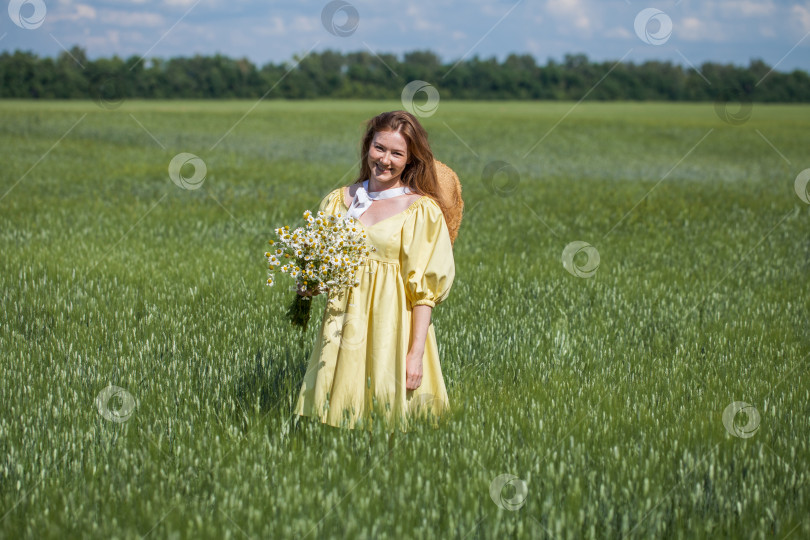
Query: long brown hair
x=420 y=171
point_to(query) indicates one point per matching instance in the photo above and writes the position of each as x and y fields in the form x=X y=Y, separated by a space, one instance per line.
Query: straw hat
x=450 y=189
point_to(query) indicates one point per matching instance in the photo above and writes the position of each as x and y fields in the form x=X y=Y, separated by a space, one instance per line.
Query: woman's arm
x=413 y=361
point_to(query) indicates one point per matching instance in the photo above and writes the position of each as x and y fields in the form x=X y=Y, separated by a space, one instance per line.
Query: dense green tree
x=332 y=74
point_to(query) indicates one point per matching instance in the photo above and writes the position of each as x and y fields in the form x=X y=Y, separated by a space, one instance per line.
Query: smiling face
x=387 y=157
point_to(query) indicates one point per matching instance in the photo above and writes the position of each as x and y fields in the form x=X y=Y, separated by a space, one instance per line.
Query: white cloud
x=416 y=18
x=274 y=26
x=691 y=29
x=78 y=12
x=105 y=43
x=180 y=3
x=131 y=18
x=748 y=8
x=573 y=12
x=802 y=14
x=619 y=32
x=492 y=11
x=129 y=3
x=767 y=31
x=85 y=11
x=534 y=47
x=306 y=25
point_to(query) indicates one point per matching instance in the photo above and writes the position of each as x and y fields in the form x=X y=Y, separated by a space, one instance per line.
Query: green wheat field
x=588 y=401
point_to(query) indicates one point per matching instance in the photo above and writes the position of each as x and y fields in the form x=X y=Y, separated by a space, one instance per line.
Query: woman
x=377 y=347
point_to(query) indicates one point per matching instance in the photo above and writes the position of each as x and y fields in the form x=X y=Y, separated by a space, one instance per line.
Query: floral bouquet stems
x=299 y=310
x=322 y=257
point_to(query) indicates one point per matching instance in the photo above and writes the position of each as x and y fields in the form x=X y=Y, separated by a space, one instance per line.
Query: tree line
x=364 y=75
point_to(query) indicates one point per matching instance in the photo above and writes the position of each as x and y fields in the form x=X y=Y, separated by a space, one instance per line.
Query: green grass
x=604 y=395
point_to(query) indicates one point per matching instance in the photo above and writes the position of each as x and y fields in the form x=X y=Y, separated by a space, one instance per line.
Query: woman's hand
x=413 y=369
x=306 y=292
x=413 y=360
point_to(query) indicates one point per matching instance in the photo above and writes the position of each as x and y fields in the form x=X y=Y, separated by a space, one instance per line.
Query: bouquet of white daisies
x=321 y=256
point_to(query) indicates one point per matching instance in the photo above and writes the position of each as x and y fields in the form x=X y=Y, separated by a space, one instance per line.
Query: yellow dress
x=358 y=360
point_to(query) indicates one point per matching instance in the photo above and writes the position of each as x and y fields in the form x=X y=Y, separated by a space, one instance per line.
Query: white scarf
x=363 y=198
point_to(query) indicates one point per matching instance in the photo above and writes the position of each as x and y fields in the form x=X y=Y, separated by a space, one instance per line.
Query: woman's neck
x=378 y=188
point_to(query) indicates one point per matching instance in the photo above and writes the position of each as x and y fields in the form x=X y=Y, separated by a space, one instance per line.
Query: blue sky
x=777 y=32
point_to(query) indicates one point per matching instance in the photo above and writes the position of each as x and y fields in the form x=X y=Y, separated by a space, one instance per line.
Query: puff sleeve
x=426 y=255
x=331 y=203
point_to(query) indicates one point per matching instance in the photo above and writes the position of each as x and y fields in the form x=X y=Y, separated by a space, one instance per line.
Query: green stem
x=299 y=310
